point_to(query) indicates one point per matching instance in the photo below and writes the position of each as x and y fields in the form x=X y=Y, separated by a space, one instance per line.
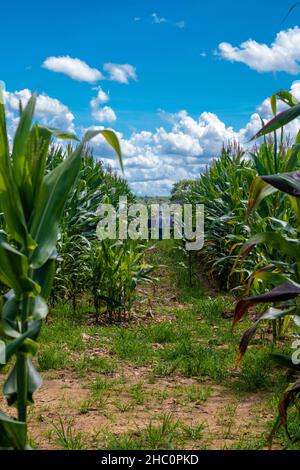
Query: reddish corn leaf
x=288 y=290
x=286 y=182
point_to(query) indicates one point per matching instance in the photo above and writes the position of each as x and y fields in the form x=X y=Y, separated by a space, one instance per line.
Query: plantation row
x=252 y=215
x=49 y=197
x=49 y=251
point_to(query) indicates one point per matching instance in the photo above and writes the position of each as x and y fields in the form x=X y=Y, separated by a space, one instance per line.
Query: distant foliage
x=107 y=271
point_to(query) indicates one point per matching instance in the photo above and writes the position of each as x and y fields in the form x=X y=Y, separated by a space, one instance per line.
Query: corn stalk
x=32 y=201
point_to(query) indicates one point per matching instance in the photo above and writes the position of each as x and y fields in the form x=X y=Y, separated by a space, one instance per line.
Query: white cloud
x=73 y=68
x=282 y=56
x=158 y=19
x=179 y=149
x=155 y=160
x=105 y=114
x=183 y=147
x=49 y=111
x=121 y=73
x=101 y=97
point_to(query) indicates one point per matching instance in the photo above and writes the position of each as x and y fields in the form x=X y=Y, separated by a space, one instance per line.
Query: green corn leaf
x=59 y=134
x=20 y=142
x=293 y=161
x=47 y=213
x=270 y=314
x=285 y=245
x=36 y=154
x=259 y=190
x=14 y=270
x=38 y=309
x=53 y=195
x=285 y=361
x=273 y=101
x=10 y=201
x=269 y=276
x=34 y=382
x=13 y=346
x=12 y=433
x=10 y=313
x=287 y=98
x=44 y=276
x=113 y=140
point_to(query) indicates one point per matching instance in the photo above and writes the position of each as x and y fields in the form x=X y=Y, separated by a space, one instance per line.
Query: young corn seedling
x=32 y=202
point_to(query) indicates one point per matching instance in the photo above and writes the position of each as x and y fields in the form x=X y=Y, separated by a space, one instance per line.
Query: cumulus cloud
x=102 y=114
x=155 y=160
x=105 y=114
x=121 y=73
x=180 y=148
x=49 y=111
x=283 y=55
x=79 y=70
x=101 y=97
x=73 y=68
x=183 y=147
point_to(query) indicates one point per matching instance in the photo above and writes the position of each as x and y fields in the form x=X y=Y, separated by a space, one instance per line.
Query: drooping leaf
x=34 y=382
x=113 y=140
x=59 y=134
x=287 y=98
x=270 y=314
x=13 y=346
x=286 y=182
x=12 y=433
x=288 y=290
x=287 y=246
x=288 y=399
x=10 y=312
x=14 y=270
x=259 y=189
x=273 y=102
x=285 y=361
x=270 y=274
x=279 y=121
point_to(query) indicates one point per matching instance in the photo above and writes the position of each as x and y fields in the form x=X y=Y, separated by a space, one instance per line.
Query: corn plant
x=94 y=186
x=223 y=190
x=285 y=295
x=32 y=201
x=116 y=269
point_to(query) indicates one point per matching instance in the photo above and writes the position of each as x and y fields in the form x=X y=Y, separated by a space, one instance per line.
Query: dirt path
x=131 y=407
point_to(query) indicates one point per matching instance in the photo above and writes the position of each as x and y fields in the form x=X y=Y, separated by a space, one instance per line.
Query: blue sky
x=174 y=64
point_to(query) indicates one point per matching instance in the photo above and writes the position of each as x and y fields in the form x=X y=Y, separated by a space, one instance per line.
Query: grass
x=193 y=342
x=67 y=438
x=158 y=434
